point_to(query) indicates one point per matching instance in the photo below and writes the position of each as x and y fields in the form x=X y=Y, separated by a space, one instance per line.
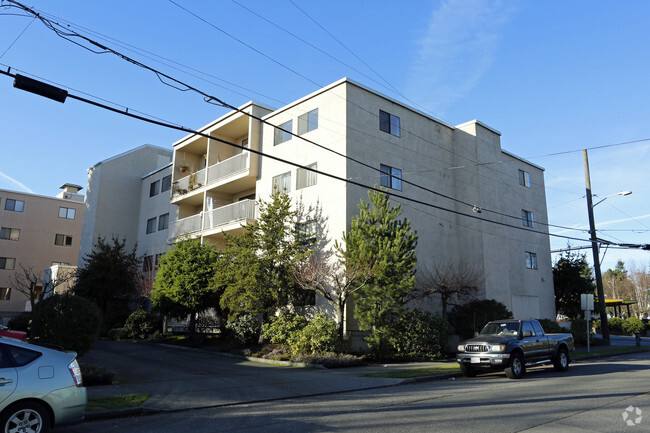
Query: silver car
x=39 y=387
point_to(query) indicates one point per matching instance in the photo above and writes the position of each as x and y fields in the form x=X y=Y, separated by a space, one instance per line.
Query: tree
x=621 y=284
x=571 y=277
x=453 y=281
x=471 y=317
x=257 y=275
x=184 y=285
x=640 y=279
x=325 y=273
x=110 y=273
x=378 y=239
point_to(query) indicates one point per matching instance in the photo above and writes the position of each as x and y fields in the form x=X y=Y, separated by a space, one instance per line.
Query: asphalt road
x=591 y=397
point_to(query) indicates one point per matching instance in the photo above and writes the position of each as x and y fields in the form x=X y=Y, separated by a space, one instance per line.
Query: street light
x=604 y=327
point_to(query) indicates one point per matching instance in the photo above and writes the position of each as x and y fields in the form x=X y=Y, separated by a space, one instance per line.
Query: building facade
x=474 y=202
x=36 y=232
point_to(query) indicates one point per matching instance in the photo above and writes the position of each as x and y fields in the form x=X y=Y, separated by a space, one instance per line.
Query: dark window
x=63 y=240
x=5 y=294
x=524 y=178
x=151 y=225
x=389 y=123
x=527 y=218
x=282 y=136
x=308 y=121
x=526 y=326
x=531 y=260
x=7 y=263
x=22 y=356
x=9 y=234
x=67 y=213
x=391 y=177
x=163 y=221
x=166 y=184
x=154 y=188
x=14 y=205
x=538 y=328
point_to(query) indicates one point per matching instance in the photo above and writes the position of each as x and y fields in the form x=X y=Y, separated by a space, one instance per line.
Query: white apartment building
x=36 y=233
x=216 y=186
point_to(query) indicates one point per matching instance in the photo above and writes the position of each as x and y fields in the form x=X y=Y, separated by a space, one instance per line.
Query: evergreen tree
x=378 y=239
x=571 y=278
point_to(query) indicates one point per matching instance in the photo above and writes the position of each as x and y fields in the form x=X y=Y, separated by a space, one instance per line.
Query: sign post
x=587 y=304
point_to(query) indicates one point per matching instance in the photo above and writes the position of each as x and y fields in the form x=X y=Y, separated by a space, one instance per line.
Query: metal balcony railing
x=229 y=167
x=185 y=226
x=240 y=211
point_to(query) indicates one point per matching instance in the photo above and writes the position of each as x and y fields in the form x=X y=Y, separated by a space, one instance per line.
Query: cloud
x=12 y=181
x=457 y=48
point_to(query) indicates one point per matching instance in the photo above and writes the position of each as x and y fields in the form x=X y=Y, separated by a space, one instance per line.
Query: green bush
x=615 y=324
x=318 y=336
x=632 y=325
x=283 y=328
x=96 y=376
x=471 y=317
x=245 y=328
x=551 y=326
x=118 y=334
x=579 y=331
x=141 y=324
x=330 y=360
x=20 y=323
x=116 y=314
x=421 y=335
x=69 y=321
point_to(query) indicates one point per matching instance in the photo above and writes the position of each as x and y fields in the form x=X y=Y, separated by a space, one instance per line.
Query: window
x=166 y=184
x=9 y=234
x=391 y=177
x=147 y=264
x=307 y=232
x=154 y=188
x=531 y=260
x=67 y=213
x=21 y=355
x=538 y=328
x=63 y=240
x=524 y=178
x=389 y=123
x=282 y=136
x=151 y=225
x=527 y=218
x=163 y=221
x=14 y=205
x=308 y=121
x=305 y=178
x=526 y=326
x=7 y=263
x=5 y=293
x=282 y=182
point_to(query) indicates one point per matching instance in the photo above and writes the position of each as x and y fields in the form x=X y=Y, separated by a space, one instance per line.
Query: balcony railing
x=240 y=211
x=229 y=167
x=185 y=225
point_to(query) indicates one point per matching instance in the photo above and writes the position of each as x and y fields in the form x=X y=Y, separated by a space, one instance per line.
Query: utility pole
x=604 y=326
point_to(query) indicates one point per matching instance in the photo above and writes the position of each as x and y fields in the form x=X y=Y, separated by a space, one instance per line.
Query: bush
x=551 y=326
x=95 y=376
x=116 y=314
x=118 y=334
x=246 y=328
x=283 y=328
x=330 y=360
x=318 y=336
x=20 y=323
x=471 y=317
x=141 y=324
x=615 y=324
x=421 y=335
x=579 y=331
x=632 y=325
x=69 y=321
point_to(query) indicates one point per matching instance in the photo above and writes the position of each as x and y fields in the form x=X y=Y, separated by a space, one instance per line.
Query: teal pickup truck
x=511 y=345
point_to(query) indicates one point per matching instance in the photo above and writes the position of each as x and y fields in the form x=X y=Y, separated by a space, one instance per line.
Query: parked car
x=40 y=387
x=511 y=345
x=6 y=332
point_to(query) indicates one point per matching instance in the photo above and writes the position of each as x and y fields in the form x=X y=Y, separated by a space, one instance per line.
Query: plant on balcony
x=193 y=182
x=183 y=168
x=177 y=190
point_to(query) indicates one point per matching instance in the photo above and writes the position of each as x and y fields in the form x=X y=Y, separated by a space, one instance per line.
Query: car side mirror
x=528 y=334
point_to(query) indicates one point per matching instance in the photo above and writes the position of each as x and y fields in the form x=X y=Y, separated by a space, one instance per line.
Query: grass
x=116 y=402
x=417 y=372
x=608 y=351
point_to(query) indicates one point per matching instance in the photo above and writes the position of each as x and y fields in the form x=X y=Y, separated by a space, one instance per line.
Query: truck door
x=532 y=344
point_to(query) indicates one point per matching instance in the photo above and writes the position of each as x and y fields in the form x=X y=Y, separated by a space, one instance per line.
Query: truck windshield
x=500 y=328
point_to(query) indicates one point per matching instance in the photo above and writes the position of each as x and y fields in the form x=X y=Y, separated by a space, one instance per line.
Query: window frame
x=308 y=121
x=64 y=212
x=152 y=223
x=13 y=207
x=531 y=260
x=5 y=261
x=5 y=293
x=66 y=240
x=283 y=178
x=154 y=188
x=390 y=123
x=280 y=136
x=528 y=218
x=390 y=177
x=524 y=178
x=12 y=233
x=166 y=183
x=306 y=178
x=163 y=221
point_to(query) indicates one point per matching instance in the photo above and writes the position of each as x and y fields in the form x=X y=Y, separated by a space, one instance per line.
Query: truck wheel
x=467 y=371
x=561 y=360
x=517 y=368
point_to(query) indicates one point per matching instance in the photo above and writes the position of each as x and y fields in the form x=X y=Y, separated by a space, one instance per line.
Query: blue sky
x=554 y=77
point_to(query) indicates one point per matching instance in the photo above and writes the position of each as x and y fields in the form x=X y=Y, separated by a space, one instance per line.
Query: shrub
x=551 y=326
x=69 y=321
x=118 y=334
x=20 y=323
x=615 y=324
x=95 y=376
x=632 y=325
x=140 y=324
x=318 y=336
x=245 y=327
x=471 y=317
x=579 y=331
x=116 y=314
x=330 y=360
x=283 y=328
x=421 y=335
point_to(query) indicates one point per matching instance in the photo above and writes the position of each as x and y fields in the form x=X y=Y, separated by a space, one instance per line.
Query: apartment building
x=36 y=232
x=475 y=203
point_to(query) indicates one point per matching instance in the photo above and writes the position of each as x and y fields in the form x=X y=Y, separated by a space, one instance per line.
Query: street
x=591 y=397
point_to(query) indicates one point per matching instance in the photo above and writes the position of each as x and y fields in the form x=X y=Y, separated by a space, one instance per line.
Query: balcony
x=239 y=212
x=185 y=226
x=229 y=167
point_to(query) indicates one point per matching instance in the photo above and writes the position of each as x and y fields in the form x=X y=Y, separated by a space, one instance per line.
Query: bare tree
x=640 y=279
x=326 y=273
x=453 y=282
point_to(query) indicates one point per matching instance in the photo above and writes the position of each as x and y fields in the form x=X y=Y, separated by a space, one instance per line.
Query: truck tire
x=561 y=359
x=517 y=368
x=467 y=371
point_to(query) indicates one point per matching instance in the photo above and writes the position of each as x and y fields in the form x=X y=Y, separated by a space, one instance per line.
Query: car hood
x=489 y=339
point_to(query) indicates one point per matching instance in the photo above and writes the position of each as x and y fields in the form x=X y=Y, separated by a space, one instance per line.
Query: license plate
x=476 y=360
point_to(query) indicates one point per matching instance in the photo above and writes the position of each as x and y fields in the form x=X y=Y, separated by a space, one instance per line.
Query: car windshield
x=500 y=328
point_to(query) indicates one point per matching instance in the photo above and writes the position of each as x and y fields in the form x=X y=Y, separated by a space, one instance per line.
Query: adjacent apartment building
x=476 y=203
x=37 y=232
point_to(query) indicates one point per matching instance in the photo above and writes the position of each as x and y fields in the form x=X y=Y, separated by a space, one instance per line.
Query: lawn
x=116 y=402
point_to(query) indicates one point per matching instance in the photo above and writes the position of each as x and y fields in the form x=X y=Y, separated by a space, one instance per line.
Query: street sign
x=587 y=301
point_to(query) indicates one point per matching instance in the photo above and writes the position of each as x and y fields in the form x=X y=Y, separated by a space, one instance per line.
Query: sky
x=554 y=77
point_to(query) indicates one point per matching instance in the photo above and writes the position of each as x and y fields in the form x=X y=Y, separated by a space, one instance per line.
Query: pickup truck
x=511 y=345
